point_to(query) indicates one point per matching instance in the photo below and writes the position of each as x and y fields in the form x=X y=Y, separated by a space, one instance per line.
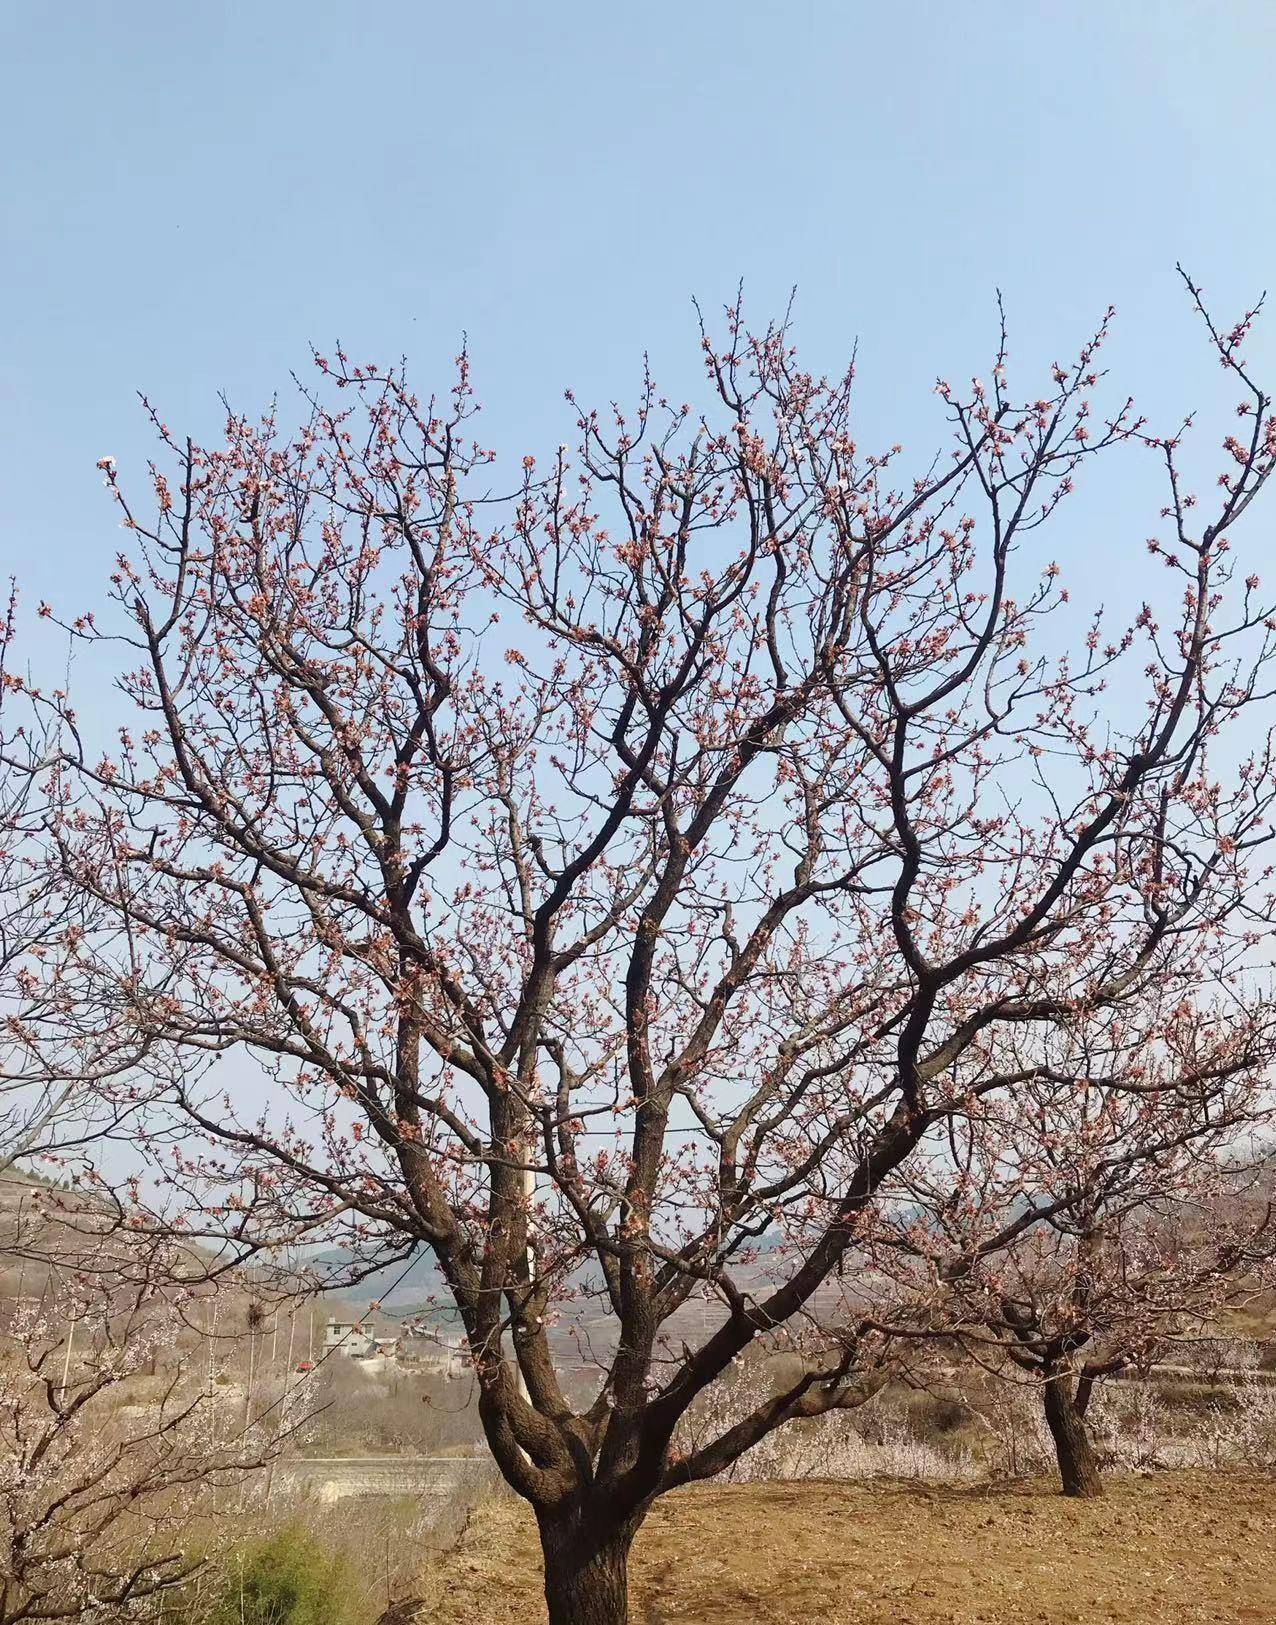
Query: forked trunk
x=586 y=1570
x=1078 y=1465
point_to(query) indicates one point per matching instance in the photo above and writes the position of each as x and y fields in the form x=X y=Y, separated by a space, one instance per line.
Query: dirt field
x=1178 y=1547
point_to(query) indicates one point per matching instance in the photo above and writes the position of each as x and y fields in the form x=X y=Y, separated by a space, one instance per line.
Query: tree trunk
x=586 y=1570
x=1078 y=1468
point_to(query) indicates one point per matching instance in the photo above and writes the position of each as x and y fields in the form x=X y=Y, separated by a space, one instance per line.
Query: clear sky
x=195 y=193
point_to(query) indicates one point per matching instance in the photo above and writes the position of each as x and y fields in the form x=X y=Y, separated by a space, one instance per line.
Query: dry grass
x=1181 y=1548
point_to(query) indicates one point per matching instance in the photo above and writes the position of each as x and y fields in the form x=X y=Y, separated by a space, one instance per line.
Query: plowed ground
x=1176 y=1547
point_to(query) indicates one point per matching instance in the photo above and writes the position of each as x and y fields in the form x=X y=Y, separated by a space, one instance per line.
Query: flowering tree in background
x=618 y=888
x=108 y=1464
x=1117 y=1200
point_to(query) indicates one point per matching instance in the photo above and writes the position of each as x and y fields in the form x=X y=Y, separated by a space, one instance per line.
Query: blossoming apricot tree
x=65 y=1047
x=619 y=886
x=110 y=1462
x=1117 y=1201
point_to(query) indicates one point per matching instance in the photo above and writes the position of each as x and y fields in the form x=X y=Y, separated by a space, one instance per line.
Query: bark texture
x=586 y=1569
x=1078 y=1465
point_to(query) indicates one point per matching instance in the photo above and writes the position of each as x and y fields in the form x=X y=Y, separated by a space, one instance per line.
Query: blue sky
x=194 y=194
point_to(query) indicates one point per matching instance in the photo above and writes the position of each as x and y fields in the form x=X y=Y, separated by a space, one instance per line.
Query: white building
x=349 y=1337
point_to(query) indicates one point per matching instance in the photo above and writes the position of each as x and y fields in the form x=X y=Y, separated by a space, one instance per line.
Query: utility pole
x=22 y=1257
x=212 y=1336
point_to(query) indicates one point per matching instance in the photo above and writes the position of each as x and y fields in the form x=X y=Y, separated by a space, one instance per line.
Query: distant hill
x=419 y=1288
x=398 y=1286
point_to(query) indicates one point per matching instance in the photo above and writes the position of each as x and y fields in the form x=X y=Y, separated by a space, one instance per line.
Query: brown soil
x=1177 y=1547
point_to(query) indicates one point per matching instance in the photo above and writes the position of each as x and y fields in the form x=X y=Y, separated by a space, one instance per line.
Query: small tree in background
x=1118 y=1200
x=109 y=1469
x=618 y=889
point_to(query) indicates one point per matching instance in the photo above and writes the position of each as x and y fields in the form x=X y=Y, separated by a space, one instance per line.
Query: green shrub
x=289 y=1579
